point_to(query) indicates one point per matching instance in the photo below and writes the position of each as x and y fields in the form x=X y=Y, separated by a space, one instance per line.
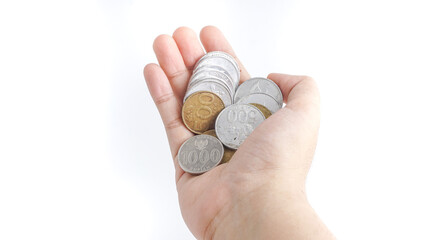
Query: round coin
x=210 y=71
x=223 y=60
x=211 y=79
x=228 y=152
x=236 y=122
x=218 y=53
x=263 y=109
x=200 y=153
x=200 y=110
x=211 y=132
x=214 y=87
x=259 y=85
x=263 y=99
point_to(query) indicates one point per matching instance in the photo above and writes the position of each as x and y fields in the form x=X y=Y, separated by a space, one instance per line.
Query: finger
x=214 y=40
x=172 y=63
x=169 y=108
x=299 y=92
x=297 y=123
x=189 y=46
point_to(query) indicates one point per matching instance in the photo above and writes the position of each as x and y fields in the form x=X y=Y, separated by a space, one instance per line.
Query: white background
x=83 y=153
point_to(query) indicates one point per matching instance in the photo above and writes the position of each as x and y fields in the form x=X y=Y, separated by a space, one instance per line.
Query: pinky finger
x=169 y=108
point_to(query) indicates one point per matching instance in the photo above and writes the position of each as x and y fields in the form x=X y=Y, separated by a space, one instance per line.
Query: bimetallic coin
x=236 y=122
x=263 y=99
x=259 y=85
x=200 y=153
x=214 y=87
x=220 y=59
x=200 y=110
x=228 y=153
x=263 y=109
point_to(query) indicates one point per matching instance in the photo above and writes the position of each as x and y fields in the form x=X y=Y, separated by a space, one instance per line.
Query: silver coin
x=213 y=71
x=231 y=59
x=236 y=122
x=213 y=68
x=263 y=99
x=259 y=85
x=200 y=153
x=219 y=69
x=211 y=79
x=218 y=53
x=215 y=87
x=219 y=59
x=204 y=77
x=223 y=63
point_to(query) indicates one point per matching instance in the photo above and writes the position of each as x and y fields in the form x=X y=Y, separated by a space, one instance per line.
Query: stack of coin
x=255 y=100
x=223 y=112
x=261 y=92
x=211 y=88
x=215 y=72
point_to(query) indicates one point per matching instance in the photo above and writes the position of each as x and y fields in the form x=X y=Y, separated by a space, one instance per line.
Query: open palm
x=276 y=155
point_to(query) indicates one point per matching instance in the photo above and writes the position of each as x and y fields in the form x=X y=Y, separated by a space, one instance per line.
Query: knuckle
x=308 y=79
x=178 y=74
x=174 y=123
x=163 y=99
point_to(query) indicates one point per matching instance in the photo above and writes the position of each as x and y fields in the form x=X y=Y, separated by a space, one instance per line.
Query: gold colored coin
x=228 y=152
x=211 y=132
x=200 y=110
x=263 y=109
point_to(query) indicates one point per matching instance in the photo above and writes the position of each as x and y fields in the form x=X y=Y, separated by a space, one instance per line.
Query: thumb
x=292 y=131
x=298 y=122
x=302 y=100
x=302 y=110
x=300 y=93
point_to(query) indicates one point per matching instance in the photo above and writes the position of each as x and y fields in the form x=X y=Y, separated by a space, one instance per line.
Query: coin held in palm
x=236 y=122
x=200 y=110
x=200 y=153
x=228 y=152
x=217 y=107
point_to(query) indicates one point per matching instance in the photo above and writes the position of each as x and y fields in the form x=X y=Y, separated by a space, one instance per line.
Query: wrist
x=259 y=213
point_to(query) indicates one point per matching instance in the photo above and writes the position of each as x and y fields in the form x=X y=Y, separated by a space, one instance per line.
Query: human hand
x=260 y=193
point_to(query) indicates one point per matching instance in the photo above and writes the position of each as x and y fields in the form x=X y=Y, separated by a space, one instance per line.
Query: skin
x=260 y=193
